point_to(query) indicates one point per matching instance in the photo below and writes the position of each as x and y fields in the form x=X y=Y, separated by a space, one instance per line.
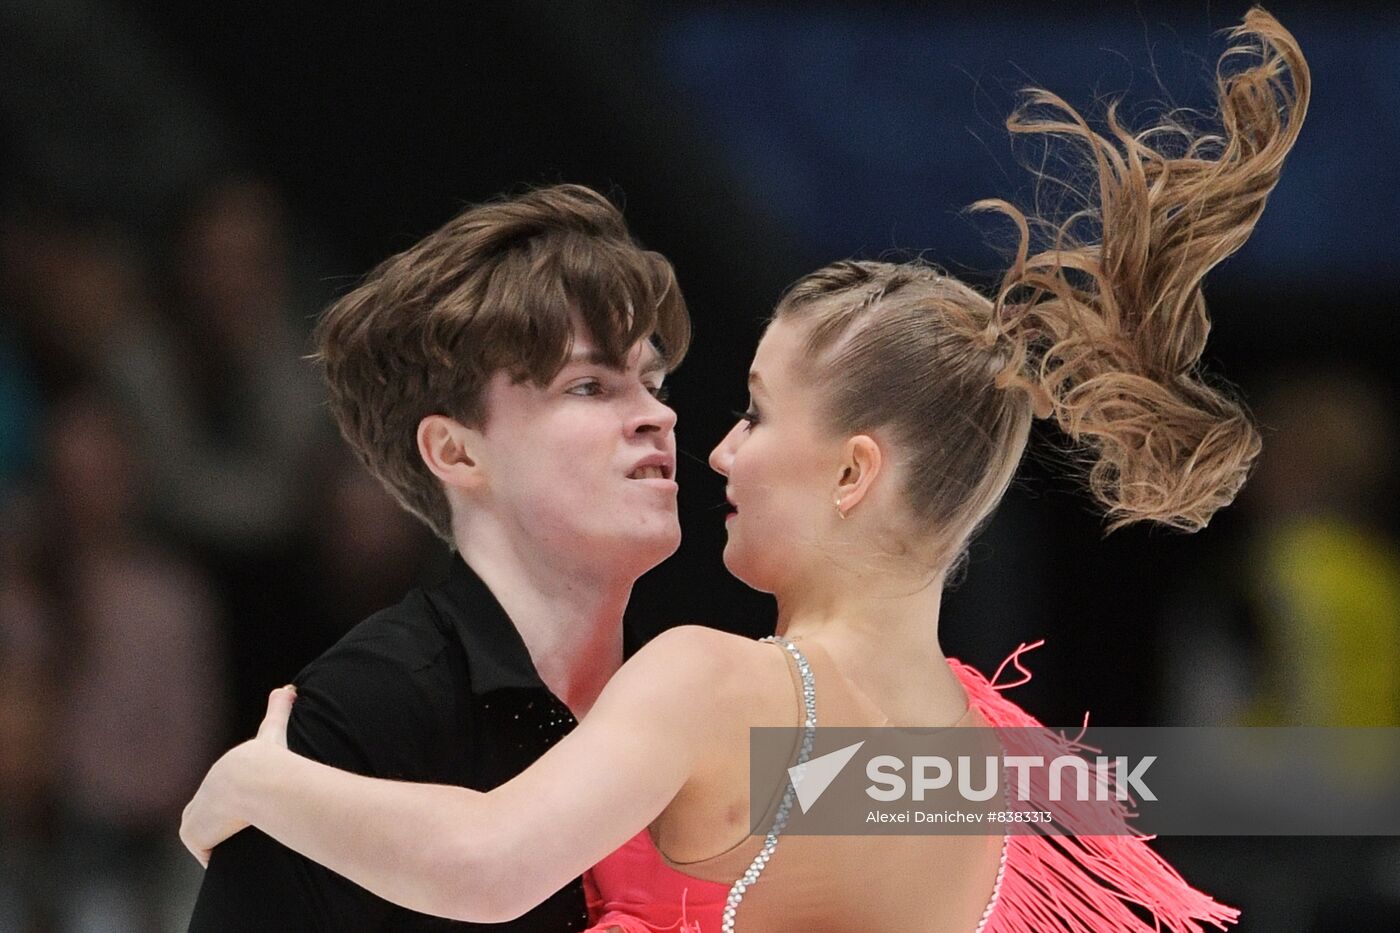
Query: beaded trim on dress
x=770 y=842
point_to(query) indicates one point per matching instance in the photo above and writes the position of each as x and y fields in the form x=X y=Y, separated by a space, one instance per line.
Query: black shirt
x=438 y=689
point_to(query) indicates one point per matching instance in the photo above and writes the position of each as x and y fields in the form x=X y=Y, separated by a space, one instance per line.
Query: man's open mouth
x=654 y=471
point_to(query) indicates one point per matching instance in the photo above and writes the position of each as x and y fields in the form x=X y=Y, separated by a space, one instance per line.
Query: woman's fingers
x=279 y=710
x=198 y=851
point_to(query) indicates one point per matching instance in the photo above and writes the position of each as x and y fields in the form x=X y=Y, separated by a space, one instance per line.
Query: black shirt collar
x=497 y=658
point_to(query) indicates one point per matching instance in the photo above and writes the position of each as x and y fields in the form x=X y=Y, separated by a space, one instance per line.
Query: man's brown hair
x=498 y=287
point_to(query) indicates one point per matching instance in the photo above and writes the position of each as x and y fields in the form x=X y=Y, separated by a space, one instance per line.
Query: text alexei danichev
x=958 y=816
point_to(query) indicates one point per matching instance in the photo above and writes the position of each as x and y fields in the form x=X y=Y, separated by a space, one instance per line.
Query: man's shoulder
x=385 y=697
x=408 y=635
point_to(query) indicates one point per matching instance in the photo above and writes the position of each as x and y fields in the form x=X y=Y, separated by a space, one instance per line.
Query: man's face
x=585 y=467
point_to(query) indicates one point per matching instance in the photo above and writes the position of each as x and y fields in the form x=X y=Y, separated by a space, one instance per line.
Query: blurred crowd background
x=183 y=187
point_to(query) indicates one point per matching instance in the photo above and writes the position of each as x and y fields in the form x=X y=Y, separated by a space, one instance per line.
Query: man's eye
x=660 y=393
x=591 y=387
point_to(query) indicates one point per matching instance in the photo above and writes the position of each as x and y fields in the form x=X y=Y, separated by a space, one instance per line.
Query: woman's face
x=782 y=471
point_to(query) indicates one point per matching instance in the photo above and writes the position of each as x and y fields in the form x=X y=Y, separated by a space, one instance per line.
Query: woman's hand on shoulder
x=214 y=814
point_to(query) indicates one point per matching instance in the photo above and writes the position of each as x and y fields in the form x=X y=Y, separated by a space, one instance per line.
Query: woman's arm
x=489 y=857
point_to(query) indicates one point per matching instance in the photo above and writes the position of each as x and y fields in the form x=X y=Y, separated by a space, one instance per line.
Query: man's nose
x=655 y=417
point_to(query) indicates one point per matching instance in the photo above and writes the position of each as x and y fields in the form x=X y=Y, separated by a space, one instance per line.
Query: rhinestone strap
x=996 y=886
x=1001 y=870
x=770 y=843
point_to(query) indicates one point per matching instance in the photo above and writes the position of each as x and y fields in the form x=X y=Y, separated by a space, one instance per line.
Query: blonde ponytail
x=1106 y=334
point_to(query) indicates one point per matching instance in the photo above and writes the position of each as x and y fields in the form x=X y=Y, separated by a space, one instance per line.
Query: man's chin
x=632 y=550
x=643 y=553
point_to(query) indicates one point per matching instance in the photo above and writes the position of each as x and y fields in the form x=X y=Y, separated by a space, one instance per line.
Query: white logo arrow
x=811 y=780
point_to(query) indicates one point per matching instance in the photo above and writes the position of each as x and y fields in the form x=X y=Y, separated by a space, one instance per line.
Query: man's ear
x=861 y=461
x=451 y=452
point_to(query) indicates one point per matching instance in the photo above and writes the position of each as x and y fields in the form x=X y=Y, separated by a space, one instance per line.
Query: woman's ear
x=861 y=461
x=451 y=451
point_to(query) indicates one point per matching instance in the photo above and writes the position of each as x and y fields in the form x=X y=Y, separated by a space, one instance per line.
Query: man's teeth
x=649 y=472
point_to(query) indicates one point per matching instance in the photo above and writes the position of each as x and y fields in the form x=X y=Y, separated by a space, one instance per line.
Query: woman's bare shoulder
x=703 y=647
x=727 y=667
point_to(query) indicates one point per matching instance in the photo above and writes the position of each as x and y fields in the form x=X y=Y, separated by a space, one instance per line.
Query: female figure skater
x=890 y=408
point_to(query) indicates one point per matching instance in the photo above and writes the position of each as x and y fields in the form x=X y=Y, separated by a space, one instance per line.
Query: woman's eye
x=749 y=417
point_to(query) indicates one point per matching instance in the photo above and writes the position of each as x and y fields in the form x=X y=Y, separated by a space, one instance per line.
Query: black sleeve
x=360 y=708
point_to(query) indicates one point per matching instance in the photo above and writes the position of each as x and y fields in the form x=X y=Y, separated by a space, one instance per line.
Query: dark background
x=750 y=143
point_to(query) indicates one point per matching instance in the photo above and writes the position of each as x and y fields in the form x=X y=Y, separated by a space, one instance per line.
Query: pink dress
x=1080 y=884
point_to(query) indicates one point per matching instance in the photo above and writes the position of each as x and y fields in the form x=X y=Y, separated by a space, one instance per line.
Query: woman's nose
x=723 y=454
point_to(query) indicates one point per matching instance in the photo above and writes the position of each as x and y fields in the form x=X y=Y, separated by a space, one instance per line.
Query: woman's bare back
x=814 y=883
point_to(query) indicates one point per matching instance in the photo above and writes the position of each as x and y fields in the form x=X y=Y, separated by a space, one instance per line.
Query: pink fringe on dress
x=1082 y=883
x=644 y=890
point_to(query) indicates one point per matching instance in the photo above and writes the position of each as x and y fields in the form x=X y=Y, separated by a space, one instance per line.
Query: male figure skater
x=503 y=379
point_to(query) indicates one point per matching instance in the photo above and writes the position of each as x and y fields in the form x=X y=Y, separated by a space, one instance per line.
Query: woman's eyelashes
x=749 y=416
